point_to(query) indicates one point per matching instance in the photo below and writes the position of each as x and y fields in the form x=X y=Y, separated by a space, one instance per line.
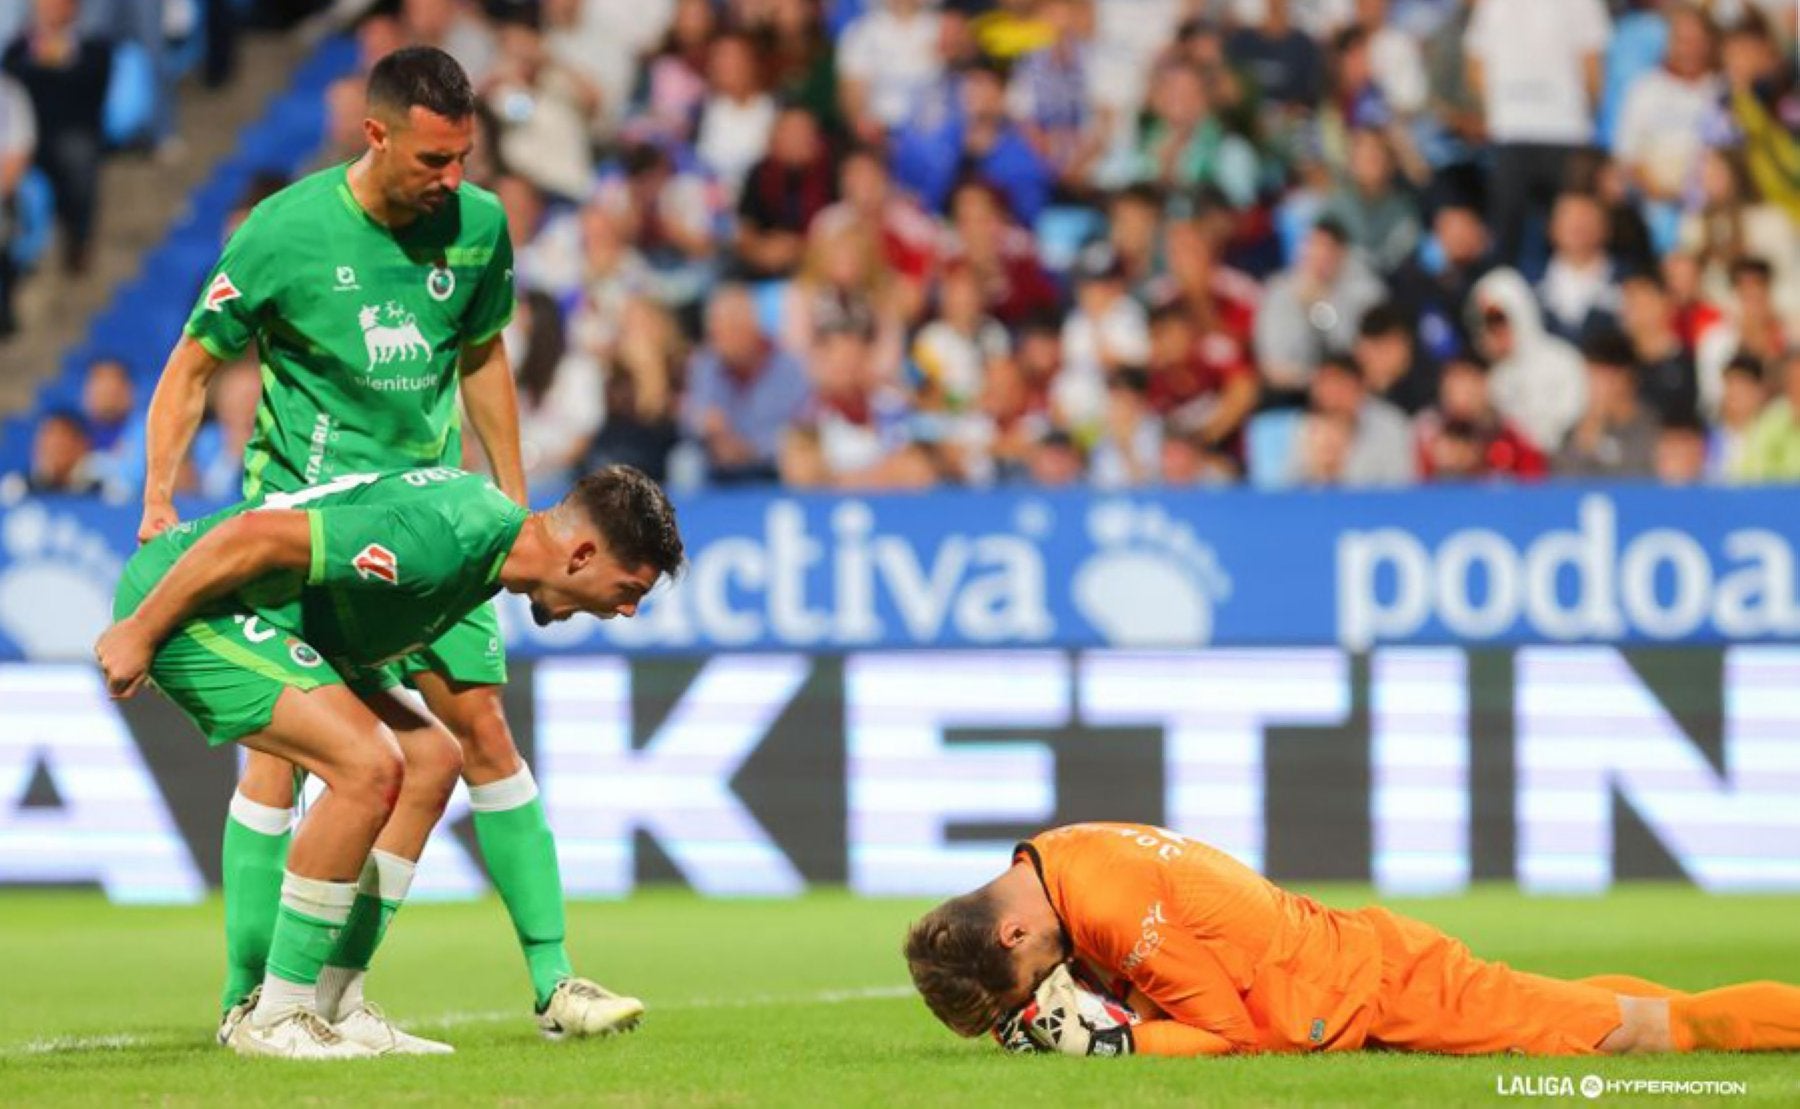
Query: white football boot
x=369 y=1026
x=235 y=1015
x=579 y=1007
x=294 y=1034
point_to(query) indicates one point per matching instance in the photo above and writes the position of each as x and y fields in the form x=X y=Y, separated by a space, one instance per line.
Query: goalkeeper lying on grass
x=1210 y=959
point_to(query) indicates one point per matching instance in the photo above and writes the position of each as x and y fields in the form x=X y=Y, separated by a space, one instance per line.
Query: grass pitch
x=780 y=1003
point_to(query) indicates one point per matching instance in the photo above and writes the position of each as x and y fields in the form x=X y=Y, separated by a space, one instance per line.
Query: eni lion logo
x=391 y=333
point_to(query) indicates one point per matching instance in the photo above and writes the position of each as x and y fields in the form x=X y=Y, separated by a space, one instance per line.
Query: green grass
x=777 y=1003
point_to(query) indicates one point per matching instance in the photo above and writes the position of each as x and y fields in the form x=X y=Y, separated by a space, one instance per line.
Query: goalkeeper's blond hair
x=958 y=964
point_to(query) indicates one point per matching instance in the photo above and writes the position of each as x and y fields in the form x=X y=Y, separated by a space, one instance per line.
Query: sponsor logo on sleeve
x=376 y=561
x=220 y=291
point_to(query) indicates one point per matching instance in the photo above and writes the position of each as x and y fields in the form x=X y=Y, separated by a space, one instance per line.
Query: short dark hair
x=1333 y=229
x=421 y=77
x=958 y=964
x=1751 y=266
x=1749 y=365
x=1383 y=320
x=633 y=515
x=1609 y=348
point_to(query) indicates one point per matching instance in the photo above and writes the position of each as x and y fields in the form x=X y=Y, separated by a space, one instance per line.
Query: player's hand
x=1053 y=1019
x=158 y=518
x=1013 y=1036
x=124 y=653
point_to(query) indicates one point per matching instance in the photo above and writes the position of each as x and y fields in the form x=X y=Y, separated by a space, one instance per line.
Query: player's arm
x=176 y=409
x=492 y=401
x=230 y=556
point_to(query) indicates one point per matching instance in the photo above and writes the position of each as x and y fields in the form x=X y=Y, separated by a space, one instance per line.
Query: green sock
x=310 y=922
x=251 y=863
x=386 y=877
x=520 y=853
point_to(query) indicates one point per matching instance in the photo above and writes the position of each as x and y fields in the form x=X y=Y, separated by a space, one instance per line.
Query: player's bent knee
x=434 y=763
x=373 y=771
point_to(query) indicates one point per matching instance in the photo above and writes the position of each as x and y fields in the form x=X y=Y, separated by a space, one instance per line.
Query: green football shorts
x=471 y=651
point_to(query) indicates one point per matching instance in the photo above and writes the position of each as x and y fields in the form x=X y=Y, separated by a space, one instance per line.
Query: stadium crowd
x=887 y=244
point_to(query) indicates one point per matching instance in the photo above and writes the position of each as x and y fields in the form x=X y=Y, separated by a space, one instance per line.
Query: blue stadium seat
x=131 y=93
x=770 y=297
x=36 y=215
x=1269 y=441
x=1063 y=231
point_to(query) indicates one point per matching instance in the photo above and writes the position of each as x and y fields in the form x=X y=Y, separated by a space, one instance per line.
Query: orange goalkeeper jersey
x=1233 y=962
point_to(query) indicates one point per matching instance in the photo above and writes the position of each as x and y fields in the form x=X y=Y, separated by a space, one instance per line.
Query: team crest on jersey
x=302 y=654
x=441 y=283
x=391 y=334
x=220 y=291
x=376 y=561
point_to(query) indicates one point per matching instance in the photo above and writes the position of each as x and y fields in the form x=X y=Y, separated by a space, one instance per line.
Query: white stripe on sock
x=393 y=875
x=321 y=900
x=507 y=793
x=258 y=817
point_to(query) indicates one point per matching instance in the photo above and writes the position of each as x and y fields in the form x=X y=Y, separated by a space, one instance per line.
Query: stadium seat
x=771 y=296
x=131 y=93
x=36 y=216
x=1063 y=231
x=1269 y=447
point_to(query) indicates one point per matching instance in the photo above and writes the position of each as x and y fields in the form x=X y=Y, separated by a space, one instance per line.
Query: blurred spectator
x=1752 y=327
x=737 y=118
x=887 y=62
x=1772 y=453
x=218 y=454
x=1579 y=291
x=1536 y=65
x=1380 y=450
x=1616 y=435
x=845 y=283
x=1394 y=56
x=1538 y=380
x=1381 y=218
x=1202 y=382
x=667 y=217
x=1105 y=332
x=605 y=41
x=1215 y=296
x=1465 y=436
x=674 y=78
x=975 y=139
x=954 y=352
x=559 y=387
x=855 y=433
x=1002 y=255
x=59 y=460
x=742 y=391
x=909 y=236
x=1051 y=94
x=1681 y=451
x=114 y=426
x=1667 y=379
x=346 y=106
x=457 y=29
x=1729 y=224
x=1743 y=397
x=1322 y=449
x=1659 y=134
x=1183 y=144
x=640 y=427
x=799 y=55
x=1127 y=451
x=1187 y=460
x=1393 y=366
x=1762 y=101
x=1434 y=288
x=66 y=76
x=18 y=147
x=542 y=108
x=1055 y=461
x=1134 y=227
x=1627 y=236
x=782 y=195
x=1283 y=61
x=1313 y=309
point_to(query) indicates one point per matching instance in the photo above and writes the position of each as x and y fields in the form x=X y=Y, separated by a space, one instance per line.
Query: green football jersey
x=396 y=559
x=359 y=327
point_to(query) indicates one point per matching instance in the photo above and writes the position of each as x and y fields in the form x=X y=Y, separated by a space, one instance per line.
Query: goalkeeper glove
x=1054 y=1020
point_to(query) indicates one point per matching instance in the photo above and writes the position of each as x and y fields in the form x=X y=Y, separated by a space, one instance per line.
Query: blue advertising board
x=1628 y=565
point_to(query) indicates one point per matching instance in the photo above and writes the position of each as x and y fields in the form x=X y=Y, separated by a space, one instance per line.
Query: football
x=1097 y=1008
